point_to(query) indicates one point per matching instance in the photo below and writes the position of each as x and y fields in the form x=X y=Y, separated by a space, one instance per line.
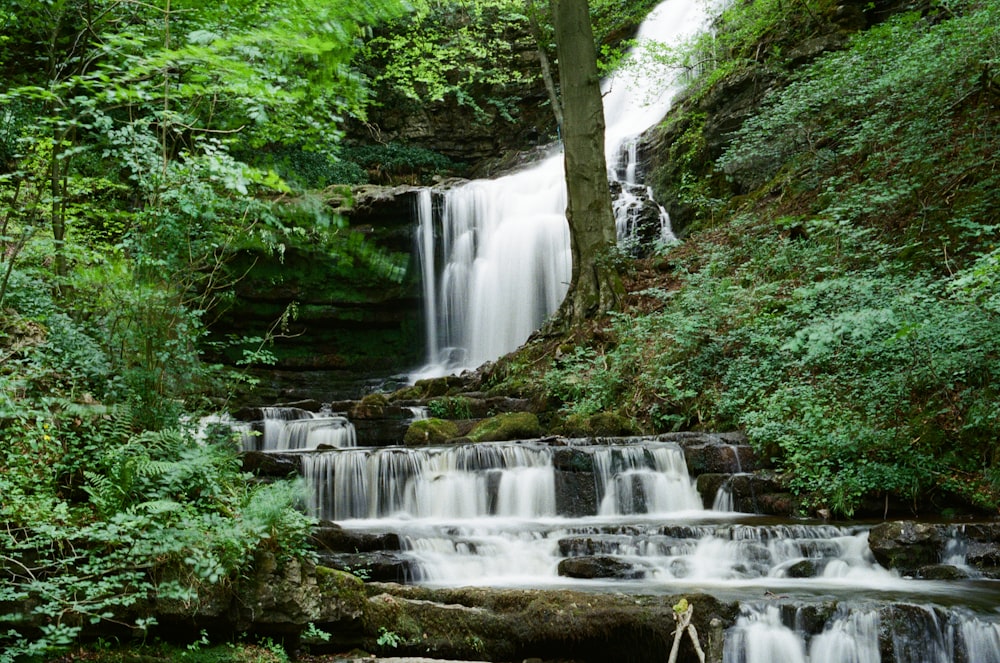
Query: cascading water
x=644 y=479
x=502 y=514
x=496 y=260
x=469 y=481
x=289 y=428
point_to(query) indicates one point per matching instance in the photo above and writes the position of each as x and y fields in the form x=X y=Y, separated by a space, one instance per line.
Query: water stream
x=495 y=256
x=624 y=515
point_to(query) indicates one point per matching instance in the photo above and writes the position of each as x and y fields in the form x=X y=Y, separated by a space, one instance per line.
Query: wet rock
x=375 y=406
x=380 y=432
x=586 y=546
x=576 y=494
x=911 y=633
x=715 y=456
x=371 y=566
x=435 y=387
x=982 y=546
x=511 y=625
x=598 y=567
x=762 y=493
x=272 y=465
x=906 y=545
x=282 y=597
x=941 y=572
x=570 y=459
x=807 y=568
x=330 y=537
x=774 y=504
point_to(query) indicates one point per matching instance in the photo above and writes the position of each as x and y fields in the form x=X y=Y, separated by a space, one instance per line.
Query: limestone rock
x=598 y=566
x=507 y=426
x=285 y=597
x=425 y=432
x=906 y=545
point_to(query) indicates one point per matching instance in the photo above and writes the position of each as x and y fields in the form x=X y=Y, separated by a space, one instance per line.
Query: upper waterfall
x=495 y=255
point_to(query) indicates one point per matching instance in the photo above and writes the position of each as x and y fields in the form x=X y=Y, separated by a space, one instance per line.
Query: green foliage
x=389 y=161
x=124 y=518
x=387 y=638
x=122 y=205
x=845 y=315
x=880 y=380
x=897 y=133
x=463 y=52
x=450 y=407
x=306 y=168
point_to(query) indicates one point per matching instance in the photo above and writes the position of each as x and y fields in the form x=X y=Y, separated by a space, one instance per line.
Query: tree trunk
x=595 y=286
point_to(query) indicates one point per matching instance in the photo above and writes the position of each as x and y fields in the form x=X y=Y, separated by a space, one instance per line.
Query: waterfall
x=503 y=244
x=643 y=479
x=509 y=514
x=463 y=482
x=851 y=636
x=760 y=637
x=289 y=428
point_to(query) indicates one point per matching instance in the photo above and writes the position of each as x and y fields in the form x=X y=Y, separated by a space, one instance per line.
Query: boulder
x=598 y=566
x=576 y=493
x=512 y=625
x=282 y=597
x=507 y=426
x=906 y=545
x=715 y=456
x=272 y=465
x=426 y=432
x=330 y=537
x=370 y=566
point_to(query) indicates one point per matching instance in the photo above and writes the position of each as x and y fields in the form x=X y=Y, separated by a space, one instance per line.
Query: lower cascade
x=624 y=515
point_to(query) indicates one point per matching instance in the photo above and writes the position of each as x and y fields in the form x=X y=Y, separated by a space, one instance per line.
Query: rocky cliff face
x=343 y=317
x=680 y=153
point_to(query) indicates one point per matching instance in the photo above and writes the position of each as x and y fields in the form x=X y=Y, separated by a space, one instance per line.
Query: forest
x=831 y=171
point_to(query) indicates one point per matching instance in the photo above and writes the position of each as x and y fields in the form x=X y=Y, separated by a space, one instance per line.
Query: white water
x=491 y=513
x=495 y=514
x=287 y=429
x=497 y=262
x=644 y=479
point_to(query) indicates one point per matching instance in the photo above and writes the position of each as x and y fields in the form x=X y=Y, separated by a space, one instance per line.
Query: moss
x=372 y=406
x=443 y=386
x=514 y=624
x=508 y=426
x=430 y=431
x=602 y=424
x=410 y=393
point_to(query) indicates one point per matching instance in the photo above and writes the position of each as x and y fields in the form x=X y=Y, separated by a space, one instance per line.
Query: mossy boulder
x=512 y=624
x=426 y=432
x=375 y=406
x=507 y=426
x=602 y=424
x=284 y=596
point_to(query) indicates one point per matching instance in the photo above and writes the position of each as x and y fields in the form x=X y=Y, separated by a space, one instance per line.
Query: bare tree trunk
x=543 y=60
x=595 y=286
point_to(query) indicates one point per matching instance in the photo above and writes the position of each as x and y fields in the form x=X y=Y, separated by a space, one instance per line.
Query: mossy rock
x=426 y=432
x=507 y=426
x=602 y=424
x=375 y=406
x=410 y=393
